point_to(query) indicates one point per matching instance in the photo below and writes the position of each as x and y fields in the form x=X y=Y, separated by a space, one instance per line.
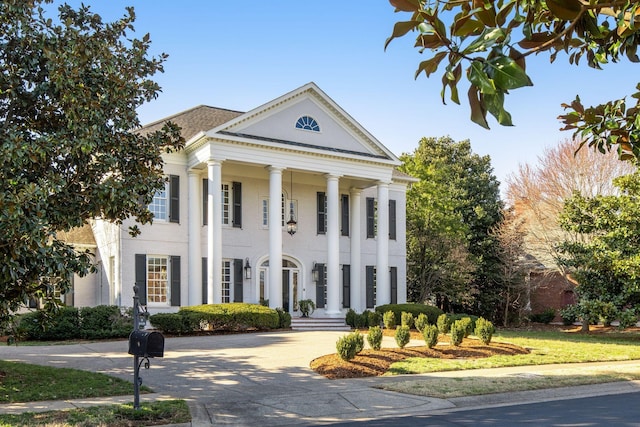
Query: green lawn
x=545 y=348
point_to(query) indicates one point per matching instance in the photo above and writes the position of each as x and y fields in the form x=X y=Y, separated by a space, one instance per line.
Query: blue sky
x=241 y=54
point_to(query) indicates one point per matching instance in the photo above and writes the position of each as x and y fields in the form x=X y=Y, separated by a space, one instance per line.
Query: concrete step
x=319 y=324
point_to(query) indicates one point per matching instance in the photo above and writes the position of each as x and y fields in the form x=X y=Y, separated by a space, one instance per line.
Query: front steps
x=319 y=324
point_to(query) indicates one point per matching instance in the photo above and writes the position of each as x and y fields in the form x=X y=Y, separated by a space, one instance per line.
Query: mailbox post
x=142 y=345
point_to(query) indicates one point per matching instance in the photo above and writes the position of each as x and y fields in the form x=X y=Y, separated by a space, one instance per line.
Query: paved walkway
x=264 y=379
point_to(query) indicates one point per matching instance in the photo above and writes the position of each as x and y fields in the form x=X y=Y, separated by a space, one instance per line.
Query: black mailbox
x=146 y=344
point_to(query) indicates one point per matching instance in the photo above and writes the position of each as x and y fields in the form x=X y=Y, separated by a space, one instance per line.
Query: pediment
x=275 y=123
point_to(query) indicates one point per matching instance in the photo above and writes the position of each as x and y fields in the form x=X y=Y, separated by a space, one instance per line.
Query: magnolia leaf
x=488 y=38
x=485 y=12
x=478 y=77
x=400 y=29
x=478 y=112
x=567 y=10
x=405 y=5
x=430 y=66
x=429 y=41
x=534 y=40
x=507 y=74
x=494 y=103
x=466 y=26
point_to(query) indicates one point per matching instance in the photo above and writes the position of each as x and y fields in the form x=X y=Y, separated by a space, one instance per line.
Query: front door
x=290 y=280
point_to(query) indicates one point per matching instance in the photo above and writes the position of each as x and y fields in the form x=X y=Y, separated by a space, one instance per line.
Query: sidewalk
x=264 y=379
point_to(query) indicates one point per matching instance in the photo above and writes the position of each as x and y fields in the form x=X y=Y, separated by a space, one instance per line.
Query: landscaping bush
x=374 y=318
x=444 y=323
x=362 y=320
x=431 y=311
x=350 y=318
x=460 y=316
x=627 y=318
x=484 y=330
x=374 y=337
x=284 y=319
x=64 y=324
x=236 y=317
x=403 y=336
x=545 y=317
x=607 y=312
x=347 y=347
x=104 y=321
x=406 y=319
x=569 y=315
x=421 y=322
x=458 y=330
x=358 y=338
x=389 y=319
x=430 y=334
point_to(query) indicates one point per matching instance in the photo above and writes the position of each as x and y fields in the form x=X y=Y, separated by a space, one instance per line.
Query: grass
x=549 y=347
x=149 y=414
x=545 y=348
x=21 y=382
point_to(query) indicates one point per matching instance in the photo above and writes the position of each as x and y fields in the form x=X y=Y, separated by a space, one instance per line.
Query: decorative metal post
x=136 y=365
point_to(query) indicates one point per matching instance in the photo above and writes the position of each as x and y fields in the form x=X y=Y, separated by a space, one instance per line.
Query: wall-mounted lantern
x=247 y=269
x=315 y=273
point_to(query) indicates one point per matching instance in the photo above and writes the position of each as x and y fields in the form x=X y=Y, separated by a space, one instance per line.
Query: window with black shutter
x=392 y=219
x=371 y=217
x=322 y=212
x=344 y=214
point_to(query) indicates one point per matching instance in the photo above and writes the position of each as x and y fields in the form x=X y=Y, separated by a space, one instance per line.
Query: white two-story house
x=292 y=200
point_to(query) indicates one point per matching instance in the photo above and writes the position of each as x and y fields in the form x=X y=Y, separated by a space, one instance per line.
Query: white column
x=214 y=233
x=357 y=288
x=194 y=263
x=275 y=237
x=383 y=287
x=333 y=247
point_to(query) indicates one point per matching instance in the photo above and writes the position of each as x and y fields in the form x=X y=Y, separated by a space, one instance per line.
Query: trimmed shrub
x=374 y=318
x=484 y=330
x=359 y=340
x=173 y=323
x=628 y=318
x=468 y=324
x=237 y=316
x=444 y=323
x=389 y=319
x=607 y=313
x=430 y=334
x=421 y=322
x=350 y=318
x=454 y=317
x=569 y=315
x=406 y=319
x=104 y=321
x=403 y=336
x=347 y=346
x=64 y=324
x=545 y=317
x=284 y=319
x=458 y=329
x=362 y=320
x=374 y=337
x=431 y=311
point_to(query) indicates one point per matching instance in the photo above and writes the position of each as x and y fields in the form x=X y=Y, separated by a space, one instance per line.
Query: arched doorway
x=290 y=283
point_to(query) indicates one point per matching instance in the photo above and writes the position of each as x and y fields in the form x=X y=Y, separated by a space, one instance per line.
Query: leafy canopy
x=493 y=38
x=69 y=89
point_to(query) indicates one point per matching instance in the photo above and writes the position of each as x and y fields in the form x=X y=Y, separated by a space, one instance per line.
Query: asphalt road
x=622 y=410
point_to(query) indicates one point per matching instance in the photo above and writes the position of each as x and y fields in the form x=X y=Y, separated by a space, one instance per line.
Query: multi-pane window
x=157 y=280
x=226 y=204
x=159 y=204
x=307 y=123
x=226 y=281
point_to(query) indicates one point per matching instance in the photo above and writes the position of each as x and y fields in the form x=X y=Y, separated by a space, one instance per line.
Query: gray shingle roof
x=197 y=119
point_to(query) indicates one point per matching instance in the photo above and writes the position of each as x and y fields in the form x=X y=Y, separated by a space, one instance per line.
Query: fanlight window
x=307 y=123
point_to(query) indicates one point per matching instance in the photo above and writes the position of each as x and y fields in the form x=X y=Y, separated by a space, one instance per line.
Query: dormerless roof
x=195 y=120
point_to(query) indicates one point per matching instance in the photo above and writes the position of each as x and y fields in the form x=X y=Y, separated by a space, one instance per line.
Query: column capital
x=275 y=168
x=331 y=176
x=214 y=162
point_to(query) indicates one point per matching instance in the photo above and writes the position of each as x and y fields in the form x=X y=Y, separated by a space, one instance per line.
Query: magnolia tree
x=69 y=89
x=490 y=41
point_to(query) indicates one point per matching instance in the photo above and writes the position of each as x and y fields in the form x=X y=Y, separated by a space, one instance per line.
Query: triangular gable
x=275 y=123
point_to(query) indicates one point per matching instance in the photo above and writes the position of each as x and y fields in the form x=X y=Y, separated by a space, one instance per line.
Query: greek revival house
x=292 y=200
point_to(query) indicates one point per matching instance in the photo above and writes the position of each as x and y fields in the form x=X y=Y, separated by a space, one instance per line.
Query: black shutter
x=205 y=281
x=371 y=217
x=394 y=284
x=320 y=286
x=344 y=201
x=237 y=204
x=346 y=286
x=205 y=201
x=370 y=284
x=174 y=203
x=237 y=280
x=141 y=277
x=175 y=281
x=321 y=213
x=392 y=219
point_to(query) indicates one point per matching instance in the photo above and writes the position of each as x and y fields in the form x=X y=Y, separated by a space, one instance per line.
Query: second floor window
x=165 y=205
